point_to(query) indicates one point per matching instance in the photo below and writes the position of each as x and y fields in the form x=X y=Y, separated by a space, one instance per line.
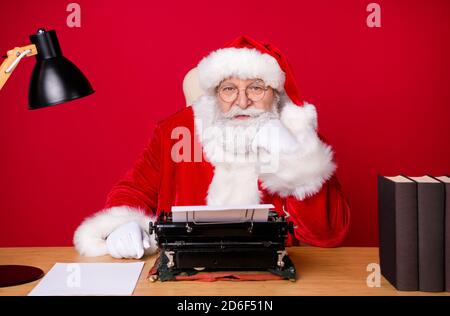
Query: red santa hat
x=247 y=58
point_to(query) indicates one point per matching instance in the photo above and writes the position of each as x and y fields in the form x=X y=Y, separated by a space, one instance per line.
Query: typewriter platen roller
x=245 y=246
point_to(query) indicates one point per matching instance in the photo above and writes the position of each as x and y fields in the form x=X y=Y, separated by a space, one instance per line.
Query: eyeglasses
x=255 y=91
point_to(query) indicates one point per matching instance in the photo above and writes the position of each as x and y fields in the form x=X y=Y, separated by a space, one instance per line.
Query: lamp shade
x=55 y=79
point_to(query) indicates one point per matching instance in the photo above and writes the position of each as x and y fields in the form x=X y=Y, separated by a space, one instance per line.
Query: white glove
x=128 y=241
x=274 y=137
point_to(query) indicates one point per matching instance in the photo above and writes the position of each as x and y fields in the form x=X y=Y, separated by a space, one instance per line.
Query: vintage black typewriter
x=246 y=245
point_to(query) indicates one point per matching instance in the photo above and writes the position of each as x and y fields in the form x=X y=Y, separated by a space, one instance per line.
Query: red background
x=382 y=95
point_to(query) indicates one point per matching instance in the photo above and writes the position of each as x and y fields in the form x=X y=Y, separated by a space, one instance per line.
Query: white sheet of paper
x=72 y=279
x=234 y=213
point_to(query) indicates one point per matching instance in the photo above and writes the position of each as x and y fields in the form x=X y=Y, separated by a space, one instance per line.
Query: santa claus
x=258 y=143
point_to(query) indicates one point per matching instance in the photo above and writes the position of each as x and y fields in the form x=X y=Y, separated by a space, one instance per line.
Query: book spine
x=386 y=229
x=397 y=216
x=430 y=202
x=406 y=236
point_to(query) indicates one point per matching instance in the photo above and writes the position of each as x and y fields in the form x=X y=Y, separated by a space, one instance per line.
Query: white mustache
x=236 y=111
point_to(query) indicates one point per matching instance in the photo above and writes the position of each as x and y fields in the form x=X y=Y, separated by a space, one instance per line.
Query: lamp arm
x=13 y=57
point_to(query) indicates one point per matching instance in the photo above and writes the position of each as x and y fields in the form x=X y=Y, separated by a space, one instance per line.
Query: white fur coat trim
x=245 y=63
x=300 y=174
x=90 y=237
x=234 y=184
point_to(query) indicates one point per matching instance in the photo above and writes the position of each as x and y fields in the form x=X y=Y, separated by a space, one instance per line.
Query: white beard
x=235 y=136
x=227 y=144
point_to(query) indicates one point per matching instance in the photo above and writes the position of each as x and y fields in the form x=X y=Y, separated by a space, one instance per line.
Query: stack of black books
x=414 y=232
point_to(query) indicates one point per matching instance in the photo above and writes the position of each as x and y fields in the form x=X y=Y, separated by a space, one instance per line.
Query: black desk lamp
x=54 y=80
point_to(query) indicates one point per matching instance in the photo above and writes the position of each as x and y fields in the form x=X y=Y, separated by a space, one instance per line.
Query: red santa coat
x=304 y=184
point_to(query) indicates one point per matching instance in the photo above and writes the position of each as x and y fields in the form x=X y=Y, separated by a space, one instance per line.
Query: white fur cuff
x=90 y=237
x=299 y=174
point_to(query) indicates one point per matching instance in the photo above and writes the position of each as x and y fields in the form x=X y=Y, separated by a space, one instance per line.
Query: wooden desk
x=338 y=271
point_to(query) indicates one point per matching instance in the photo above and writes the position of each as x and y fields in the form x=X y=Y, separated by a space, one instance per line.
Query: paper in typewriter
x=221 y=214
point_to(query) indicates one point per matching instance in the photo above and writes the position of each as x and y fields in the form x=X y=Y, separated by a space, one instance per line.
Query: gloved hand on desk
x=129 y=240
